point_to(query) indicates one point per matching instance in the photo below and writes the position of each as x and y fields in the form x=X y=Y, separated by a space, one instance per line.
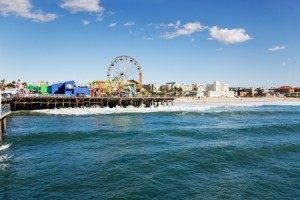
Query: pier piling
x=2 y=129
x=3 y=126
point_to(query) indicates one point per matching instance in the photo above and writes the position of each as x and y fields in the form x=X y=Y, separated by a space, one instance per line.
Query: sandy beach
x=233 y=100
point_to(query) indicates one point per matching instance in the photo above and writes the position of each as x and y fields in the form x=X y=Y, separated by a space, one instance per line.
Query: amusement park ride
x=124 y=79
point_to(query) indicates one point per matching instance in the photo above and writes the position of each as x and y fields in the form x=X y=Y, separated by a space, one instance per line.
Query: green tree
x=10 y=85
x=260 y=92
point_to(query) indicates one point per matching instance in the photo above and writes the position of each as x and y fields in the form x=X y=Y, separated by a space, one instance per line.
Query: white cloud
x=85 y=22
x=82 y=5
x=129 y=24
x=100 y=17
x=185 y=30
x=166 y=26
x=23 y=8
x=113 y=24
x=147 y=38
x=277 y=48
x=171 y=25
x=229 y=36
x=111 y=12
x=283 y=64
x=177 y=24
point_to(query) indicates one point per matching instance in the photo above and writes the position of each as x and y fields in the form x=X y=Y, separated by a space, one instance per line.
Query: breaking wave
x=177 y=107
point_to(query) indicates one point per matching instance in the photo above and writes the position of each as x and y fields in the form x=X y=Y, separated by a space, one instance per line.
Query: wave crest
x=178 y=107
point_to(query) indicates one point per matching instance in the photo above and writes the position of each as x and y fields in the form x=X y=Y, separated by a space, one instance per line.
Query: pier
x=51 y=102
x=5 y=110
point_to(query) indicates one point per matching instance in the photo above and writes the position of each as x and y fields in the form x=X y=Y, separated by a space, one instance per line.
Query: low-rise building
x=218 y=89
x=154 y=87
x=185 y=87
x=285 y=90
x=199 y=89
x=168 y=86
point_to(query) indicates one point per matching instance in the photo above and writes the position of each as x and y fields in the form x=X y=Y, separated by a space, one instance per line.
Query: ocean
x=188 y=151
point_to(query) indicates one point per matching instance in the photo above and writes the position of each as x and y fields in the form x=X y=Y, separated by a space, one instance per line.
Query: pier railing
x=5 y=106
x=5 y=109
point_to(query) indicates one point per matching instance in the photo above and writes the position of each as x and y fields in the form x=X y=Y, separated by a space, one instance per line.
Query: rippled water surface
x=189 y=151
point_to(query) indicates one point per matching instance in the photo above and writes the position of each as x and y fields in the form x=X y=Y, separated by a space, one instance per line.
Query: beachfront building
x=185 y=87
x=173 y=86
x=155 y=87
x=244 y=91
x=199 y=89
x=287 y=91
x=152 y=88
x=168 y=86
x=178 y=88
x=297 y=91
x=218 y=89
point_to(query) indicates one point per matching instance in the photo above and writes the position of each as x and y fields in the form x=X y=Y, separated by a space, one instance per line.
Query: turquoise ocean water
x=189 y=151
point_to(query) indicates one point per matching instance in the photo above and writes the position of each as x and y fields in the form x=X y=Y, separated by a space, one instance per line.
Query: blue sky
x=242 y=43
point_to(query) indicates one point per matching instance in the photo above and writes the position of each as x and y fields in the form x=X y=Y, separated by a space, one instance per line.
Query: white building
x=155 y=87
x=218 y=89
x=200 y=89
x=172 y=85
x=185 y=87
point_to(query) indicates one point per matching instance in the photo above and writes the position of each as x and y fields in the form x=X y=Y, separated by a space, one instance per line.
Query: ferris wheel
x=125 y=69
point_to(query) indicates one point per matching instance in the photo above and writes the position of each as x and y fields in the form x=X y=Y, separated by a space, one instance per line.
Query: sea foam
x=4 y=146
x=177 y=107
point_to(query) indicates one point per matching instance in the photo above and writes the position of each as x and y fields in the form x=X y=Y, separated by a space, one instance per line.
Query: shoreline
x=234 y=100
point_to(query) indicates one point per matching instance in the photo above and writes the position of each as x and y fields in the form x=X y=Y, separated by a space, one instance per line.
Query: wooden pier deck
x=51 y=102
